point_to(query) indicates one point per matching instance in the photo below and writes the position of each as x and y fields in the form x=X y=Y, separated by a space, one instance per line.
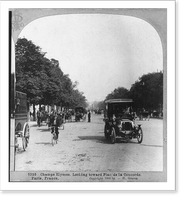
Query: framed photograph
x=90 y=94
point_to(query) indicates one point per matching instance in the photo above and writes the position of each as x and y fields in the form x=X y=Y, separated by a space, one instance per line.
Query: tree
x=42 y=79
x=147 y=92
x=28 y=60
x=119 y=92
x=78 y=99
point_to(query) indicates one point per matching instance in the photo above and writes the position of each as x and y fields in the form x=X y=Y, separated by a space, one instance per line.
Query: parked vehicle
x=145 y=115
x=22 y=129
x=79 y=113
x=119 y=121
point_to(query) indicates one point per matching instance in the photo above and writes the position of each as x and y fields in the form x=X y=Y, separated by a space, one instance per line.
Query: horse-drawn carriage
x=119 y=121
x=22 y=130
x=80 y=114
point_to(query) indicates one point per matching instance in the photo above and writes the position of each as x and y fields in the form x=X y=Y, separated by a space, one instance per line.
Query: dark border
x=10 y=59
x=10 y=54
x=9 y=82
x=176 y=91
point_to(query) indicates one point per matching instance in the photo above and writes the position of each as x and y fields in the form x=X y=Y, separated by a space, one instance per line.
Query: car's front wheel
x=140 y=135
x=113 y=136
x=106 y=132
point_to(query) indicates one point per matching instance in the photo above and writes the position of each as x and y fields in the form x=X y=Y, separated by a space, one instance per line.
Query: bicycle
x=55 y=132
x=54 y=138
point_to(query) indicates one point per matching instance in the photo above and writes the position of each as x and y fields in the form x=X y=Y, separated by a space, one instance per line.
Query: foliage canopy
x=42 y=79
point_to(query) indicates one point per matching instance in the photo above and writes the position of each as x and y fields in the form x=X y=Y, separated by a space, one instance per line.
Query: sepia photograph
x=88 y=95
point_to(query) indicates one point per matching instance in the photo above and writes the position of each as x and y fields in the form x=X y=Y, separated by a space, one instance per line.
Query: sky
x=100 y=52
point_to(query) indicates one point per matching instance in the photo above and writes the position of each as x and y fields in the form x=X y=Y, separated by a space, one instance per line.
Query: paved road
x=82 y=147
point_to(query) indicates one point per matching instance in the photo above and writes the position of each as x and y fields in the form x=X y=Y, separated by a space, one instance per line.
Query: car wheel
x=140 y=135
x=113 y=136
x=106 y=132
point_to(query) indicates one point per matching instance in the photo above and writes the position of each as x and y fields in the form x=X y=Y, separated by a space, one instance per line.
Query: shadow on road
x=102 y=140
x=44 y=130
x=44 y=143
x=97 y=139
x=20 y=151
x=148 y=145
x=35 y=125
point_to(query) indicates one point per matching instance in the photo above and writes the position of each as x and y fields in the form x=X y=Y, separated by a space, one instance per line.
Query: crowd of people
x=47 y=117
x=63 y=116
x=55 y=119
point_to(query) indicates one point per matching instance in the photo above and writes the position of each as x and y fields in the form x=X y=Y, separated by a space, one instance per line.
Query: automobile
x=119 y=121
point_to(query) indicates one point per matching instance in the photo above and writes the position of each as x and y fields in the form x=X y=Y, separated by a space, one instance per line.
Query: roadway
x=82 y=147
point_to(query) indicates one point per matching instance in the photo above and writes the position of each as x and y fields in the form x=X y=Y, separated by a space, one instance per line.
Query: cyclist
x=55 y=123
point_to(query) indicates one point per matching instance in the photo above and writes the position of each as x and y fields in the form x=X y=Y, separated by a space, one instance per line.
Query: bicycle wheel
x=53 y=139
x=27 y=134
x=61 y=127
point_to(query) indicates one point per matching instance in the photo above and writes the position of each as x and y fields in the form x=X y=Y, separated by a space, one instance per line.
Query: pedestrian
x=30 y=116
x=38 y=117
x=89 y=116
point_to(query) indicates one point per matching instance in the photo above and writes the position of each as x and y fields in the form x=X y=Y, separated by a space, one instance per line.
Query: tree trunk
x=34 y=114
